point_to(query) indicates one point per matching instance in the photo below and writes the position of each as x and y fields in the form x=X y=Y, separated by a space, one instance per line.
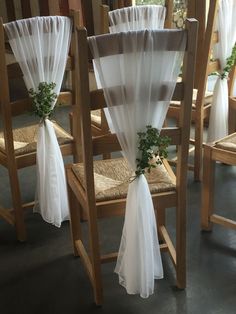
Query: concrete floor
x=42 y=276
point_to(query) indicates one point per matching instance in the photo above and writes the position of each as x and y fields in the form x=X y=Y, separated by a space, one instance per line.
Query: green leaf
x=43 y=99
x=150 y=145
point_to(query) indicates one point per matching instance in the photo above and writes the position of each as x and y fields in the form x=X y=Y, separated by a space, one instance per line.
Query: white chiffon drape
x=137 y=18
x=133 y=83
x=134 y=18
x=40 y=46
x=218 y=123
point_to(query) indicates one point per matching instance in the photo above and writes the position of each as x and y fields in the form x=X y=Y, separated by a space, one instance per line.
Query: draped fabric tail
x=139 y=251
x=51 y=183
x=218 y=123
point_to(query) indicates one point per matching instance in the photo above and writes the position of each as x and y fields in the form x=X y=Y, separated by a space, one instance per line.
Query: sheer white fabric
x=133 y=83
x=137 y=18
x=40 y=45
x=131 y=19
x=218 y=124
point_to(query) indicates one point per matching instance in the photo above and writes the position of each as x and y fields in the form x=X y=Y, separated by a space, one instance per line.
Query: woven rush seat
x=111 y=177
x=25 y=138
x=228 y=143
x=207 y=99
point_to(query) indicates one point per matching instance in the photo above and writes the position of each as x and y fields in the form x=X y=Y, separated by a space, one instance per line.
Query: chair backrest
x=206 y=64
x=22 y=103
x=88 y=8
x=11 y=10
x=128 y=16
x=95 y=100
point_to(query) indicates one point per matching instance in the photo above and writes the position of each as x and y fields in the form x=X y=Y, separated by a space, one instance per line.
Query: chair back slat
x=109 y=143
x=10 y=10
x=43 y=7
x=116 y=47
x=64 y=7
x=26 y=9
x=87 y=14
x=169 y=4
x=97 y=100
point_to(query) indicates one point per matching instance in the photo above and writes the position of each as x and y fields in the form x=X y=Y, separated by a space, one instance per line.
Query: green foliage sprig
x=152 y=148
x=230 y=62
x=43 y=99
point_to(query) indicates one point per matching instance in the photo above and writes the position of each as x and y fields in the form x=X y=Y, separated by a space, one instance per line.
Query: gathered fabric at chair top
x=138 y=72
x=40 y=46
x=137 y=18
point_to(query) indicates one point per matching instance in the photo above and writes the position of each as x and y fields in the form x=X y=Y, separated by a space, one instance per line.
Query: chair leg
x=198 y=145
x=17 y=204
x=75 y=224
x=95 y=256
x=207 y=189
x=92 y=261
x=181 y=243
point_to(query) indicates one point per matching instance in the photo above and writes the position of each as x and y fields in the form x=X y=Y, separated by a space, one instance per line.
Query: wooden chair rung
x=7 y=216
x=164 y=247
x=85 y=259
x=107 y=258
x=229 y=223
x=169 y=244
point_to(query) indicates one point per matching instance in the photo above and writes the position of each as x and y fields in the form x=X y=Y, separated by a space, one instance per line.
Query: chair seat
x=207 y=99
x=228 y=143
x=25 y=138
x=112 y=176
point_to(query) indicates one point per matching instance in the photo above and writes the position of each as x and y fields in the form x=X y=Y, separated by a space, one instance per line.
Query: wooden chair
x=223 y=151
x=14 y=155
x=105 y=20
x=201 y=97
x=93 y=185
